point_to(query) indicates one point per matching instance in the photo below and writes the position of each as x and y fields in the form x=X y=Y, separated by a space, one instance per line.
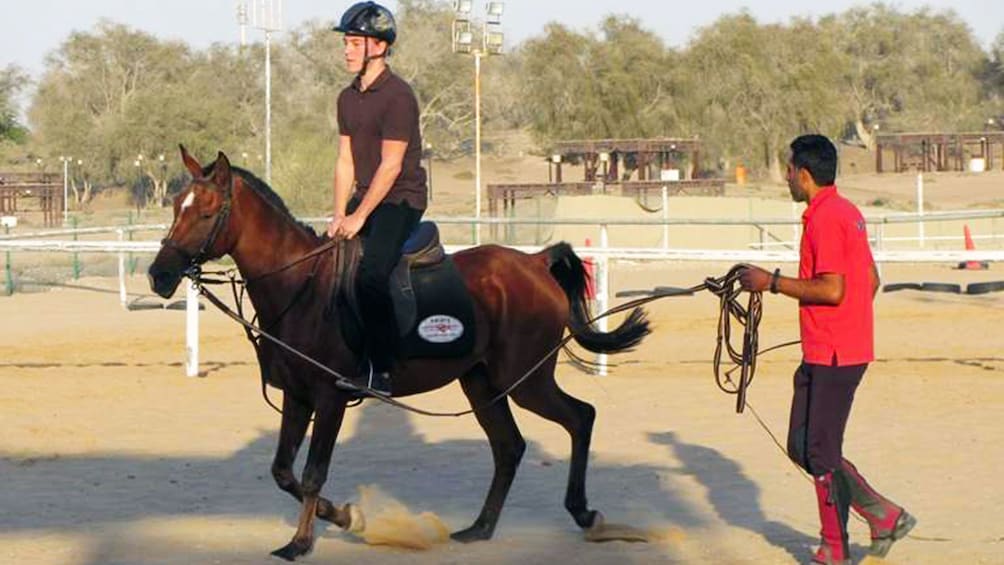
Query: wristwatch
x=773 y=280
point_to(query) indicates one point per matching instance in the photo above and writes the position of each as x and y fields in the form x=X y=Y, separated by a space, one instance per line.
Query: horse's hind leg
x=543 y=397
x=507 y=450
x=295 y=419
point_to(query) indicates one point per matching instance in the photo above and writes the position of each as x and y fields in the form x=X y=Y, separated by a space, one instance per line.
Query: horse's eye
x=207 y=215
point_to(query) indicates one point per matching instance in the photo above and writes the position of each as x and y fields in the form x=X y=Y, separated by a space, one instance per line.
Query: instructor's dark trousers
x=820 y=407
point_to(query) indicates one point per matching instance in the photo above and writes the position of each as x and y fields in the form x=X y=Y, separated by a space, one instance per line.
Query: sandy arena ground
x=109 y=454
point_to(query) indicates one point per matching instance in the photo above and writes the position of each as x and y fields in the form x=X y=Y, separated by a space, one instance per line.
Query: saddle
x=433 y=309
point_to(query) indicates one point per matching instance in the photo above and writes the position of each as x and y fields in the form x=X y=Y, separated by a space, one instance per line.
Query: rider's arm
x=345 y=175
x=391 y=160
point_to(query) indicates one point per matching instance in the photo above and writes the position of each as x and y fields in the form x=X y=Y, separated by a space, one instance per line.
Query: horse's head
x=200 y=230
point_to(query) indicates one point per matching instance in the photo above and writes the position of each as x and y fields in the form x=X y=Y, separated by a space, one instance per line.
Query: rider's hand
x=754 y=279
x=333 y=225
x=351 y=224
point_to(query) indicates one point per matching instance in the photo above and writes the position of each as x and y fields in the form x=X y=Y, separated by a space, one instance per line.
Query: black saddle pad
x=434 y=313
x=444 y=314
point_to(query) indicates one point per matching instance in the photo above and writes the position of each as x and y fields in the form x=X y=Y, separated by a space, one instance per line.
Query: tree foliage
x=12 y=81
x=112 y=94
x=619 y=82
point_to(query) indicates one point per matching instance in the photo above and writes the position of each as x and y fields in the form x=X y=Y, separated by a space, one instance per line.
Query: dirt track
x=110 y=455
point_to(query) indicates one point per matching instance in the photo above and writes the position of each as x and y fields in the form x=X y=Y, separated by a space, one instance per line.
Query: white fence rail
x=602 y=255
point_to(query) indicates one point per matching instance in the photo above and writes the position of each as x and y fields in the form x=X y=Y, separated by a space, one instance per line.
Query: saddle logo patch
x=440 y=329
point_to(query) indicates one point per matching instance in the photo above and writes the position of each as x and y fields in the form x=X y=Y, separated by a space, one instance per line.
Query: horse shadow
x=99 y=498
x=735 y=497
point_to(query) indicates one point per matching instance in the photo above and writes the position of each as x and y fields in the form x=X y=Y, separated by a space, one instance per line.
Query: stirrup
x=371 y=381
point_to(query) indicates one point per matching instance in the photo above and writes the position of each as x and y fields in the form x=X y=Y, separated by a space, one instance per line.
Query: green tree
x=760 y=85
x=115 y=99
x=902 y=71
x=619 y=82
x=992 y=78
x=12 y=81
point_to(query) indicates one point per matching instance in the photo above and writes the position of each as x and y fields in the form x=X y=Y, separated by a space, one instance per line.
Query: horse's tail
x=566 y=268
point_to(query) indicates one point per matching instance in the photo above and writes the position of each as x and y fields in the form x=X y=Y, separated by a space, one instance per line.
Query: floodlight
x=463 y=7
x=493 y=42
x=494 y=9
x=463 y=41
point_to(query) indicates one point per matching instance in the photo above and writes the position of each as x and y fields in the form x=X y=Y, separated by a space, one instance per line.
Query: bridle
x=195 y=261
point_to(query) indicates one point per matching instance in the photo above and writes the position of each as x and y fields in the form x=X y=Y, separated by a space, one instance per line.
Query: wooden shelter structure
x=614 y=160
x=17 y=190
x=928 y=152
x=609 y=166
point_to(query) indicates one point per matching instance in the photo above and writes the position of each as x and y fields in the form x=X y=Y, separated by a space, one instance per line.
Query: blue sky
x=32 y=28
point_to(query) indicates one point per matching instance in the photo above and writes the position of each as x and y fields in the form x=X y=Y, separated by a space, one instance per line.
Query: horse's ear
x=193 y=166
x=222 y=174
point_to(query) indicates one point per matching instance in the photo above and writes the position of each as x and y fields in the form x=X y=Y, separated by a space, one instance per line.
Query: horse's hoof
x=357 y=522
x=588 y=519
x=601 y=531
x=340 y=516
x=472 y=534
x=292 y=550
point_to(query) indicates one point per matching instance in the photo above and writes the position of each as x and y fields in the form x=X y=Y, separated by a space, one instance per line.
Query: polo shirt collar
x=825 y=193
x=380 y=80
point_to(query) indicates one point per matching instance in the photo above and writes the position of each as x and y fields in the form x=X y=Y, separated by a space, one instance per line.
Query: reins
x=724 y=287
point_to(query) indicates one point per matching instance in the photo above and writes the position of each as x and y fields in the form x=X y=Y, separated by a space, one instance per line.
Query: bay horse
x=522 y=305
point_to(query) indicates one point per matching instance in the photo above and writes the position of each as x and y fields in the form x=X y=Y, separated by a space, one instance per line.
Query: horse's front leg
x=295 y=419
x=327 y=421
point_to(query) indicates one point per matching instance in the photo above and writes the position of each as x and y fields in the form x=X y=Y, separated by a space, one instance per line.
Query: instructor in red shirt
x=836 y=283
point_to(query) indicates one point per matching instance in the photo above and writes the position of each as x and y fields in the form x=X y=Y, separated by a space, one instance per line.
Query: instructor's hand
x=754 y=279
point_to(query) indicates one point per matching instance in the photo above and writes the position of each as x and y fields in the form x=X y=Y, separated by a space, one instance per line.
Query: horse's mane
x=265 y=191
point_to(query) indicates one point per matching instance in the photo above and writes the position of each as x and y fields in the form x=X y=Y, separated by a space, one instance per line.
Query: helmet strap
x=367 y=58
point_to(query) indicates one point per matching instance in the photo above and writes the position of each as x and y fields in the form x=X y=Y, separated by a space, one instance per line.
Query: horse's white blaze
x=189 y=200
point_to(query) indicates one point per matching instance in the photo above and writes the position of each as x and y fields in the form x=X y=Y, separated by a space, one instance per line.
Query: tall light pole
x=66 y=186
x=242 y=21
x=266 y=15
x=491 y=44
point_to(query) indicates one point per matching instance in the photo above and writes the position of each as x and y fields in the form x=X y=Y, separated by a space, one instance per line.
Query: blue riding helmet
x=369 y=19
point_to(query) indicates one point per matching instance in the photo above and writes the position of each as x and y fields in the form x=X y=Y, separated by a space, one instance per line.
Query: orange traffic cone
x=971 y=265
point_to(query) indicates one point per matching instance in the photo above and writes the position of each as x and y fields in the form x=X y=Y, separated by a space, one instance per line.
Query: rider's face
x=356 y=50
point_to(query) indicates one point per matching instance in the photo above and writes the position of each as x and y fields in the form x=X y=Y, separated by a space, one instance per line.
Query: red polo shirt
x=835 y=240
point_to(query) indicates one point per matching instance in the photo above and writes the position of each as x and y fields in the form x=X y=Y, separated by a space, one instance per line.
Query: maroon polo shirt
x=835 y=240
x=387 y=109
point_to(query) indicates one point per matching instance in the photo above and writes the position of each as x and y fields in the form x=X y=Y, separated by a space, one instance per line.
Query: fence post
x=132 y=260
x=538 y=236
x=665 y=217
x=920 y=208
x=122 y=283
x=603 y=292
x=10 y=276
x=76 y=256
x=191 y=330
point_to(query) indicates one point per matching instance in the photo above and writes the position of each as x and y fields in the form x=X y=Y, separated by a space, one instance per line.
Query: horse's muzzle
x=163 y=282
